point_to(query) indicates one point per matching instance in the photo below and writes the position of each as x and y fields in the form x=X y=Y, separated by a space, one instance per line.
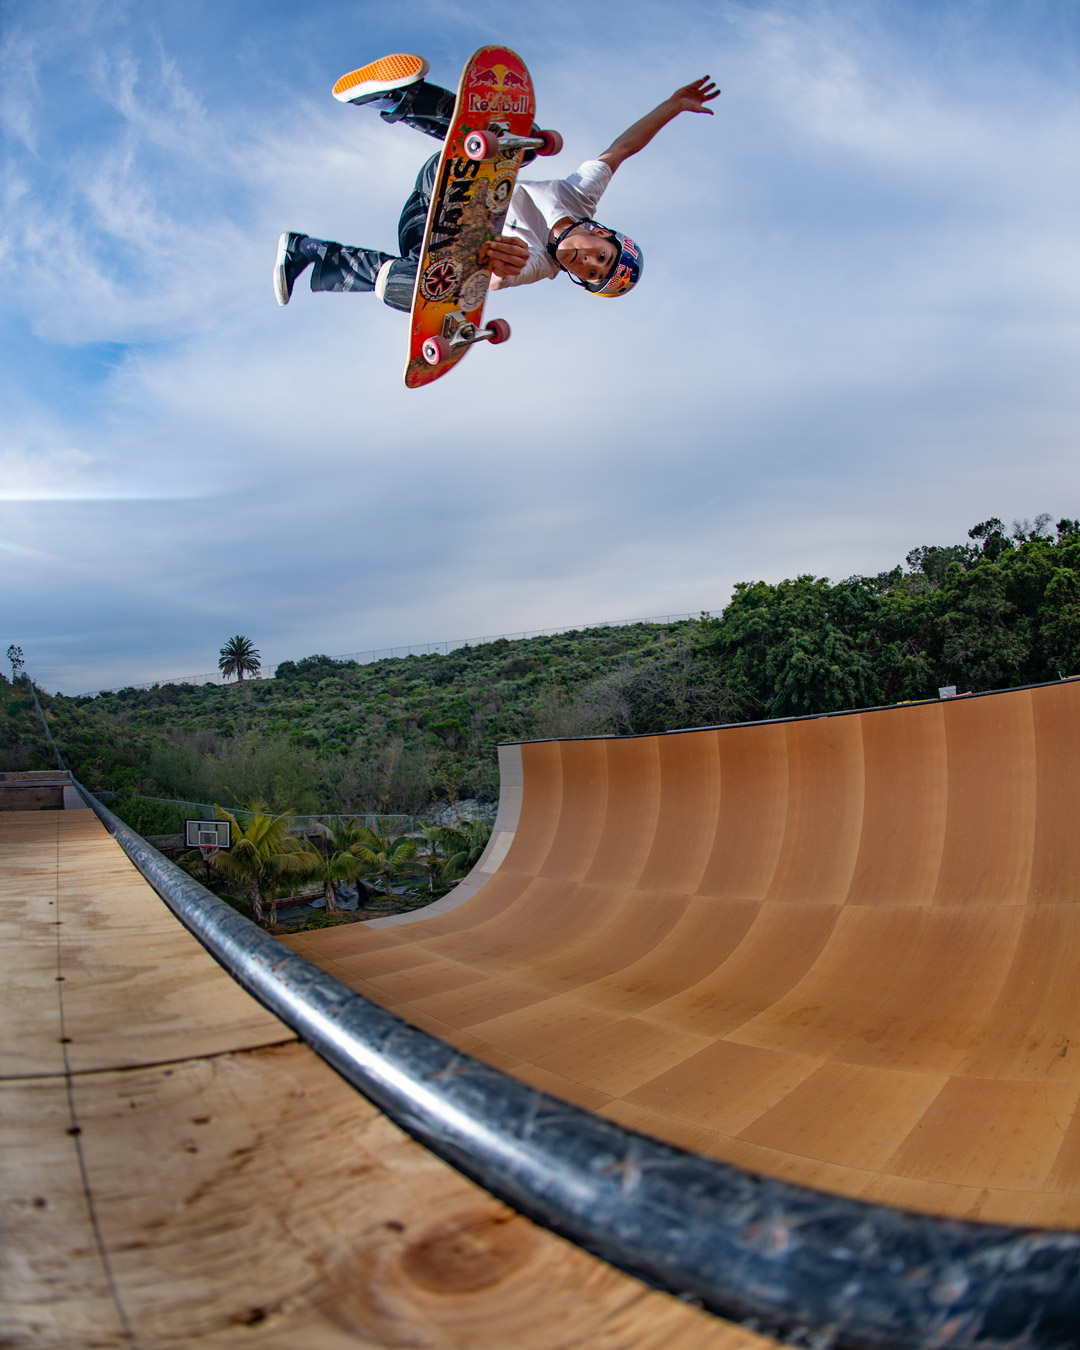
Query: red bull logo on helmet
x=627 y=271
x=621 y=280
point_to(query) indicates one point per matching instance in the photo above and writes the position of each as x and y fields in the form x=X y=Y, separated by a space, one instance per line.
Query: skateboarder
x=549 y=228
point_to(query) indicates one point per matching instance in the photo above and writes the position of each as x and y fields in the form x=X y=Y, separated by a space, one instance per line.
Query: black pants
x=342 y=267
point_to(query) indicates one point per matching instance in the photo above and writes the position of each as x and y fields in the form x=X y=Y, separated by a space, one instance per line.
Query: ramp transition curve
x=842 y=951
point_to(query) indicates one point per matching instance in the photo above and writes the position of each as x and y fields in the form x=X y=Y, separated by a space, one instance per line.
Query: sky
x=858 y=329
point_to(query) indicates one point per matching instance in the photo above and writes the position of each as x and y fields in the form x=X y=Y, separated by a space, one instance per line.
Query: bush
x=147 y=817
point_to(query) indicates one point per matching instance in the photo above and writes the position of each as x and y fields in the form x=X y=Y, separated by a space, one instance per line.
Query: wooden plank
x=868 y=952
x=826 y=798
x=137 y=987
x=817 y=1119
x=778 y=948
x=255 y=1195
x=55 y=1286
x=29 y=951
x=724 y=1087
x=990 y=835
x=625 y=841
x=946 y=995
x=753 y=813
x=700 y=940
x=31 y=797
x=984 y=1132
x=905 y=813
x=1034 y=1029
x=1055 y=871
x=687 y=814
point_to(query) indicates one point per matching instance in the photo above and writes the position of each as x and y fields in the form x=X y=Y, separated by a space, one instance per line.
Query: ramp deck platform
x=177 y=1170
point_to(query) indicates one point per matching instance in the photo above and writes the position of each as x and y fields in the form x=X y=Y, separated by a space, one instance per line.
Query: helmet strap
x=553 y=248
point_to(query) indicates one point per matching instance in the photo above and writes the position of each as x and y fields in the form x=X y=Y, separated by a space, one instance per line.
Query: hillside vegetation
x=1001 y=610
x=22 y=738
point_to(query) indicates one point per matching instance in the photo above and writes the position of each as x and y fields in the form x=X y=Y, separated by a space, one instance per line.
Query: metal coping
x=812 y=1269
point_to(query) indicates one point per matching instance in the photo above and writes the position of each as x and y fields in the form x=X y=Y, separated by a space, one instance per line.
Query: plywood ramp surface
x=839 y=950
x=177 y=1170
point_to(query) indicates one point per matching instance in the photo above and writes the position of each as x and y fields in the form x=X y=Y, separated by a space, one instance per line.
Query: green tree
x=333 y=847
x=198 y=865
x=268 y=768
x=430 y=857
x=385 y=857
x=932 y=561
x=464 y=843
x=239 y=657
x=1059 y=622
x=990 y=539
x=264 y=857
x=798 y=647
x=984 y=639
x=15 y=656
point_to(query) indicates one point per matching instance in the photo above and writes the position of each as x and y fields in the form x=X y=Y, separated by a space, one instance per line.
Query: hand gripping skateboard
x=491 y=129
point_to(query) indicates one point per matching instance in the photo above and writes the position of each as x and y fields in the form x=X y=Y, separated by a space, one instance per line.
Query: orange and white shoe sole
x=388 y=72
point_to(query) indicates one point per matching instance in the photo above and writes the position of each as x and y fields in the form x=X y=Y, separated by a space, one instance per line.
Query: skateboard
x=490 y=131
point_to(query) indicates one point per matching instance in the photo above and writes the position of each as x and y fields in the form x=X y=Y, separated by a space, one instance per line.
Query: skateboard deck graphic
x=468 y=207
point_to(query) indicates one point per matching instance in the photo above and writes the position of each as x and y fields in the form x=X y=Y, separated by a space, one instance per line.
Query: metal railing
x=403 y=824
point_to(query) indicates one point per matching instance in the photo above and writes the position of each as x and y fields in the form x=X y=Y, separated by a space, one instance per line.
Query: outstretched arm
x=690 y=98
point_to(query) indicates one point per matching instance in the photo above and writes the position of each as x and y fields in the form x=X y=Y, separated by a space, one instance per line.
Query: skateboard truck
x=458 y=332
x=496 y=140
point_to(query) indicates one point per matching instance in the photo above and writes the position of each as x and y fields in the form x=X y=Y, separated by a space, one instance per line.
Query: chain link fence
x=417 y=649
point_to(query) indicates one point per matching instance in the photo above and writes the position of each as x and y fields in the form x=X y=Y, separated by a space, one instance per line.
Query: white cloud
x=857 y=334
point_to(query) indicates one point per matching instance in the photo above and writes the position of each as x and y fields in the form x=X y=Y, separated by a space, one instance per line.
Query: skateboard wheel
x=481 y=145
x=500 y=331
x=435 y=350
x=553 y=143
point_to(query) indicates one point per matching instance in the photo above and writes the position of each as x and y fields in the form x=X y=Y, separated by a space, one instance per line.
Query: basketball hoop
x=208 y=836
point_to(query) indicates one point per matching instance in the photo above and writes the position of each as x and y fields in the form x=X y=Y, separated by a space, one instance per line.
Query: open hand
x=505 y=255
x=693 y=97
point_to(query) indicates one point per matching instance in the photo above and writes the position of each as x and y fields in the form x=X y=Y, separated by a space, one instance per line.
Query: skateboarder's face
x=588 y=252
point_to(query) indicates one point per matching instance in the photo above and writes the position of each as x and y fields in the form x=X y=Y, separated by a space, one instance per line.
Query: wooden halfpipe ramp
x=842 y=951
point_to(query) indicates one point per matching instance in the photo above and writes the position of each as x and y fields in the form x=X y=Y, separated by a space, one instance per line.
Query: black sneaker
x=379 y=77
x=290 y=263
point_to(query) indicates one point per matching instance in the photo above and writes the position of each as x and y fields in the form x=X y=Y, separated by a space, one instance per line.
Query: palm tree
x=239 y=657
x=336 y=860
x=384 y=857
x=464 y=843
x=196 y=863
x=264 y=857
x=431 y=853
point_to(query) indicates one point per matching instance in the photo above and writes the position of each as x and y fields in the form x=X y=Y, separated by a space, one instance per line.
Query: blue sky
x=858 y=331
